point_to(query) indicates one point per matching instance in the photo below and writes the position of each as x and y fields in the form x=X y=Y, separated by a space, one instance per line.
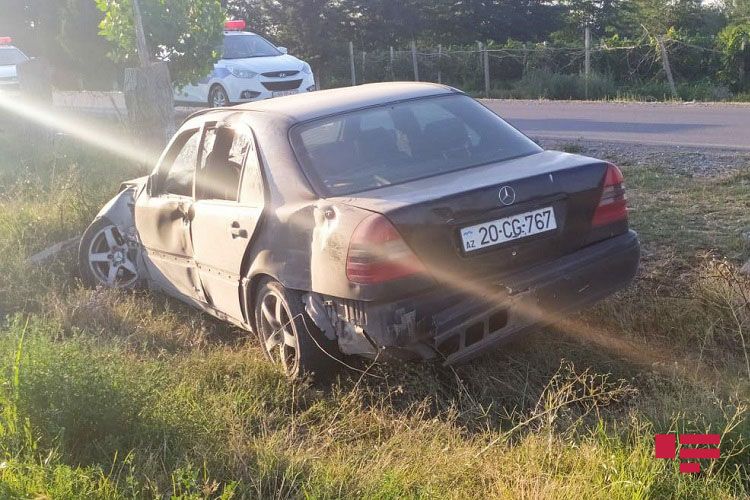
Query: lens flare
x=88 y=131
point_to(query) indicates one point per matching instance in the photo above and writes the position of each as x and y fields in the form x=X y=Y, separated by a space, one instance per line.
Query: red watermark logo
x=665 y=446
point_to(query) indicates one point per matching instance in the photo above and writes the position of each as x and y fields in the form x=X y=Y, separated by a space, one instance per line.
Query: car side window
x=223 y=154
x=179 y=178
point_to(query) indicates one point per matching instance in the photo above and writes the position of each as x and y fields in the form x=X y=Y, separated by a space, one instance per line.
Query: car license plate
x=510 y=228
x=281 y=93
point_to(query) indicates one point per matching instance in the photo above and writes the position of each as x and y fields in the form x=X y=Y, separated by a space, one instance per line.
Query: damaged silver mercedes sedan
x=386 y=220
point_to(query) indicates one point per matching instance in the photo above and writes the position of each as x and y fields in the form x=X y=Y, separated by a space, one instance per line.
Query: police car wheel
x=218 y=97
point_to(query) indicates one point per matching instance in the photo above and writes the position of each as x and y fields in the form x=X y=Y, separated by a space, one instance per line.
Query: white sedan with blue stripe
x=251 y=69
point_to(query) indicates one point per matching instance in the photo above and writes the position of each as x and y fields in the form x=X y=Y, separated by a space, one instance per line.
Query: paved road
x=698 y=125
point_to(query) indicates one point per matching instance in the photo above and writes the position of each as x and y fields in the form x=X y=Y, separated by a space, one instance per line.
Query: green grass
x=119 y=395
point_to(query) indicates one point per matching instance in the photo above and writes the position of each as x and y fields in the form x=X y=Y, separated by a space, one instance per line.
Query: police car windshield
x=11 y=56
x=245 y=46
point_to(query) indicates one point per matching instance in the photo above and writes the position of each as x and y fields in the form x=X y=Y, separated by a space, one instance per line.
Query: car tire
x=288 y=336
x=106 y=258
x=218 y=97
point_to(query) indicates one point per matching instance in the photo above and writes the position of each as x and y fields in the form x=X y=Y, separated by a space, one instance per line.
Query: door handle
x=237 y=231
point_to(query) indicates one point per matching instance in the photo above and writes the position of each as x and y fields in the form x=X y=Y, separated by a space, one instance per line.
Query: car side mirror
x=283 y=50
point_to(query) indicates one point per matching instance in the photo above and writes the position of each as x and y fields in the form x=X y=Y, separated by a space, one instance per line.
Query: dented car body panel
x=211 y=249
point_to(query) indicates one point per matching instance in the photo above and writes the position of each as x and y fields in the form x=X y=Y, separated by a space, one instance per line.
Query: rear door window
x=223 y=153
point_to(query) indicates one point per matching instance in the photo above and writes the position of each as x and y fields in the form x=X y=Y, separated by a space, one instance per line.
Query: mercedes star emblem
x=507 y=195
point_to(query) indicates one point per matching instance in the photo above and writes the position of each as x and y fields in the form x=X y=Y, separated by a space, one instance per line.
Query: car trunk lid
x=431 y=213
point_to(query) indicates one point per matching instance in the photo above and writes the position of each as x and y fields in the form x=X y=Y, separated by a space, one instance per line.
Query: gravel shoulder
x=683 y=160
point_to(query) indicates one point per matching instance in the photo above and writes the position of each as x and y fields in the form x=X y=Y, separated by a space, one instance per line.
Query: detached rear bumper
x=458 y=326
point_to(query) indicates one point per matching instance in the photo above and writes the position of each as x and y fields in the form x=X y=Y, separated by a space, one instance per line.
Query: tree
x=734 y=42
x=186 y=34
x=658 y=16
x=738 y=10
x=85 y=50
x=601 y=16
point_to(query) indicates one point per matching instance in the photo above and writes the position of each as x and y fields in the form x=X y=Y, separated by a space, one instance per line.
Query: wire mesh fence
x=540 y=70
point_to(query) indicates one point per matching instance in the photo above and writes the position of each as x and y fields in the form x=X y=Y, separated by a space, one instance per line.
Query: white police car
x=251 y=69
x=10 y=57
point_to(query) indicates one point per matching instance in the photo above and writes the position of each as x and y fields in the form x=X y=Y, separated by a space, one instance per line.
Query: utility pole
x=351 y=63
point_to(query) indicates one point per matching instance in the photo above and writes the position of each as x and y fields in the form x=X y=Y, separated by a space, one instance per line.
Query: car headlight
x=242 y=73
x=306 y=68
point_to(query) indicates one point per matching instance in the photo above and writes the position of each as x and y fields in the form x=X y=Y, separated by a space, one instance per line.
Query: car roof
x=235 y=33
x=309 y=106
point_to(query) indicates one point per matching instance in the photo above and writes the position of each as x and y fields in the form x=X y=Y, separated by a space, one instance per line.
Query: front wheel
x=107 y=257
x=289 y=337
x=217 y=97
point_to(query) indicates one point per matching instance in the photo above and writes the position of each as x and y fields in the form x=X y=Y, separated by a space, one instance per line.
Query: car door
x=228 y=207
x=162 y=217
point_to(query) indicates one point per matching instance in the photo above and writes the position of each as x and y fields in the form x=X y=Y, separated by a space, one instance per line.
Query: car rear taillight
x=378 y=253
x=613 y=203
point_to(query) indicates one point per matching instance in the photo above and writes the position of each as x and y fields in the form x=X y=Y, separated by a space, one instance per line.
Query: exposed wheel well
x=214 y=87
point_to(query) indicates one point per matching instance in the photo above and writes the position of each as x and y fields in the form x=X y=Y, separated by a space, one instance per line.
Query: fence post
x=525 y=58
x=351 y=63
x=414 y=60
x=486 y=72
x=667 y=67
x=393 y=71
x=481 y=58
x=364 y=66
x=440 y=62
x=587 y=65
x=742 y=62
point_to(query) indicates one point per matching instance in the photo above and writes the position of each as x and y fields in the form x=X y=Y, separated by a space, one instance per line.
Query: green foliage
x=187 y=34
x=734 y=43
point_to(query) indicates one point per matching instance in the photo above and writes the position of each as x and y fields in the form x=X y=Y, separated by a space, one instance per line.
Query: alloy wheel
x=219 y=98
x=111 y=258
x=278 y=330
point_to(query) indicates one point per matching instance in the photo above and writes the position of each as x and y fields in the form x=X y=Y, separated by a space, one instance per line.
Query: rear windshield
x=11 y=57
x=401 y=142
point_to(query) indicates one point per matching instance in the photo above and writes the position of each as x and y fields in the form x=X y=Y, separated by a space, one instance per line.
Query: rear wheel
x=217 y=97
x=289 y=337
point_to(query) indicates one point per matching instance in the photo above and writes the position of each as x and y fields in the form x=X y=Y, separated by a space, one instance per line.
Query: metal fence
x=591 y=70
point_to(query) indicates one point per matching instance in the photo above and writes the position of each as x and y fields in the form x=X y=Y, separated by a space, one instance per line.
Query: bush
x=543 y=84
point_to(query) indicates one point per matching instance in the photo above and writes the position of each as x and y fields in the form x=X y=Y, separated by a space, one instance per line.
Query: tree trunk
x=140 y=36
x=150 y=103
